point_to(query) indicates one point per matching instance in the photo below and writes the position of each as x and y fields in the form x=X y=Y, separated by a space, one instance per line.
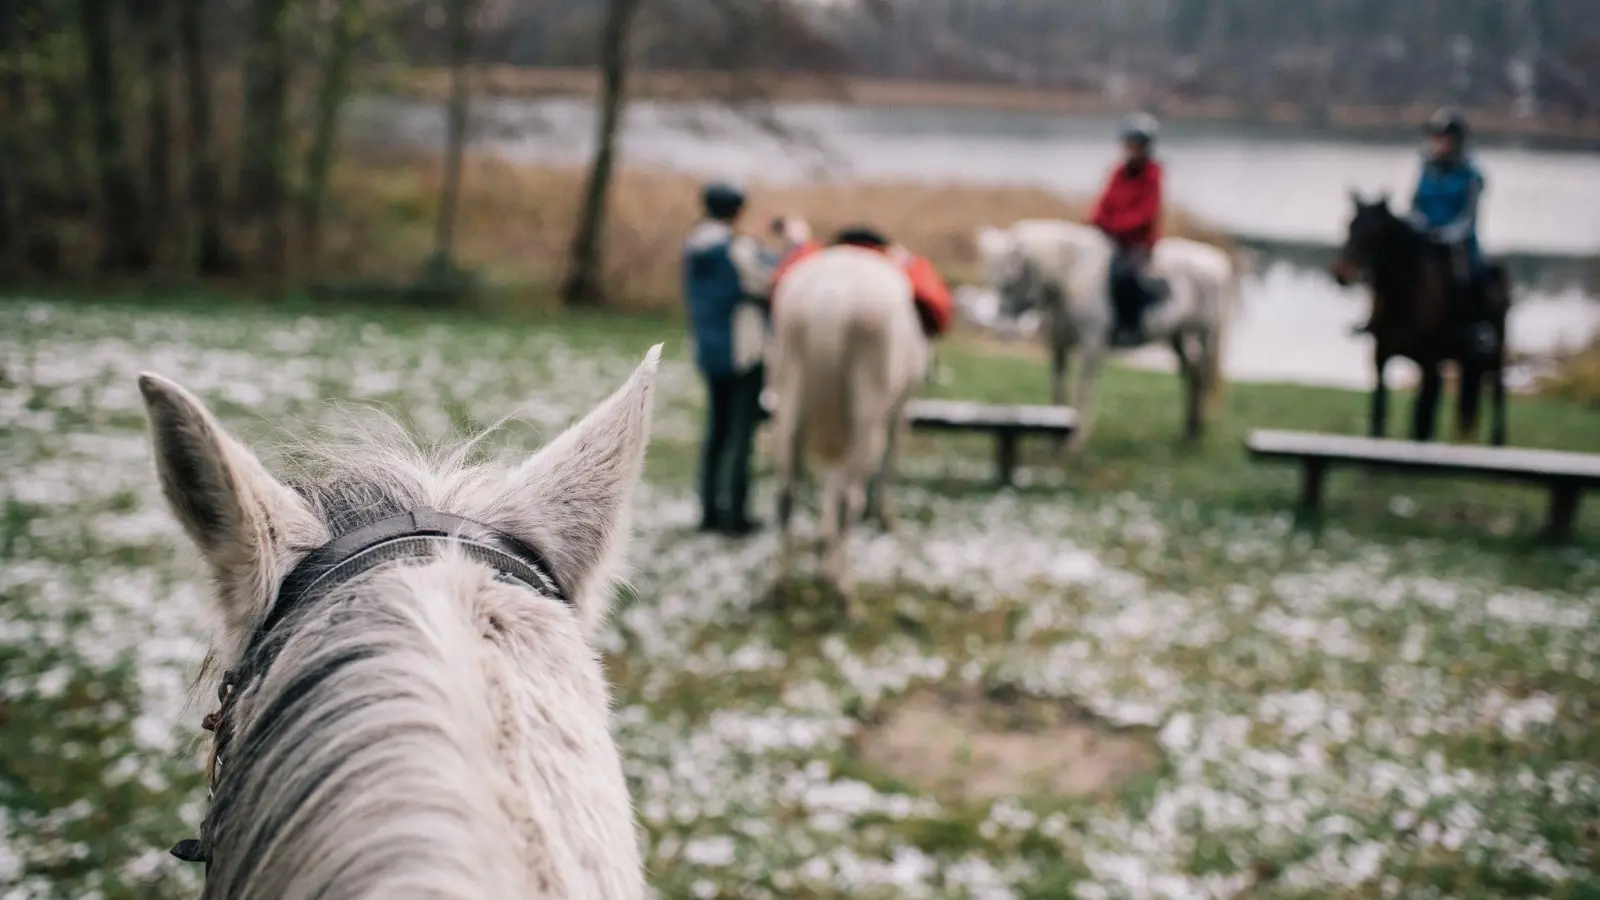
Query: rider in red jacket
x=1129 y=212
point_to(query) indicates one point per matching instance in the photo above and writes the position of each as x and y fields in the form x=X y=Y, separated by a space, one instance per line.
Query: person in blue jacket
x=726 y=280
x=1445 y=208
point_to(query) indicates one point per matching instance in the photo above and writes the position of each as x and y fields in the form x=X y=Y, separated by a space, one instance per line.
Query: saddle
x=935 y=305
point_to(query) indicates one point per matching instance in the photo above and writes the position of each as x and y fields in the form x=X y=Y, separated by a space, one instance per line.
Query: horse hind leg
x=1425 y=414
x=1468 y=390
x=1497 y=397
x=842 y=499
x=864 y=458
x=880 y=503
x=1193 y=389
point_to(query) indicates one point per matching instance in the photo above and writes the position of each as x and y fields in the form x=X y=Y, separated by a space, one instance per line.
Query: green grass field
x=1402 y=705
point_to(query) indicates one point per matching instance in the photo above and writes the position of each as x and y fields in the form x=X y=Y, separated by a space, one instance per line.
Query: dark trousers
x=1127 y=286
x=733 y=411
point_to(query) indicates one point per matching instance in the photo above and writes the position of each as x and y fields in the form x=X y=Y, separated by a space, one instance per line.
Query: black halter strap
x=408 y=535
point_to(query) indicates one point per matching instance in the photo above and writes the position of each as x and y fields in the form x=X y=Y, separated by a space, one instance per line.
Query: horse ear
x=1383 y=200
x=572 y=499
x=239 y=516
x=1355 y=197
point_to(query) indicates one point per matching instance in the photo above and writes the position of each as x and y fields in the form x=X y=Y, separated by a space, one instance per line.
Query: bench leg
x=1005 y=456
x=1310 y=508
x=1563 y=512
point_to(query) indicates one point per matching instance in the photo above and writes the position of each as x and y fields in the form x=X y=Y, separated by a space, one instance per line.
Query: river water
x=1280 y=189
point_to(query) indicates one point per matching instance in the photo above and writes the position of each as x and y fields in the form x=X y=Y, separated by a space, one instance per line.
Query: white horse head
x=848 y=352
x=1039 y=264
x=411 y=704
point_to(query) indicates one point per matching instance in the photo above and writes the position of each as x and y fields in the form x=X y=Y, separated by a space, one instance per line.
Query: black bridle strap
x=407 y=535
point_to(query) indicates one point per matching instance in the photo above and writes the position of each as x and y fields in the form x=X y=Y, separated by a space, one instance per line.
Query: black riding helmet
x=1447 y=121
x=1141 y=127
x=722 y=200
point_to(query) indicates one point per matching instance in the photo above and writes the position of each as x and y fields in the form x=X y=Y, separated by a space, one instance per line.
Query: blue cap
x=722 y=200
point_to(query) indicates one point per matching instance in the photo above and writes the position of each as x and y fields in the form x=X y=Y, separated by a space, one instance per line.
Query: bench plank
x=1566 y=475
x=1006 y=422
x=1505 y=462
x=963 y=415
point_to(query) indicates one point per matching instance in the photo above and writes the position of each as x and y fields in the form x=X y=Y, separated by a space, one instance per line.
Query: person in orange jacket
x=1129 y=212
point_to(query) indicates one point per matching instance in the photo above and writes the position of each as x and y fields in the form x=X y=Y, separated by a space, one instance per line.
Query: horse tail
x=825 y=380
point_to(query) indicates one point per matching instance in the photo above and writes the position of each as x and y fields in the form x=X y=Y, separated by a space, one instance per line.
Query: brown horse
x=1413 y=315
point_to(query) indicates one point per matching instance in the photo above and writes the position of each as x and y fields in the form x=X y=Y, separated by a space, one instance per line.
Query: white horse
x=847 y=354
x=412 y=705
x=1062 y=269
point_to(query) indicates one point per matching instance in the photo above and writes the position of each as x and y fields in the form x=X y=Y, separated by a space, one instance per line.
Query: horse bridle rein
x=408 y=535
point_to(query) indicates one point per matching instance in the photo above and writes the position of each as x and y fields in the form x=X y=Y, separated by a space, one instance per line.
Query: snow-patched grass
x=1413 y=716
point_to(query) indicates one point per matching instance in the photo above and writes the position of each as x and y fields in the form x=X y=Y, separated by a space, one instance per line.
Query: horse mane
x=1399 y=260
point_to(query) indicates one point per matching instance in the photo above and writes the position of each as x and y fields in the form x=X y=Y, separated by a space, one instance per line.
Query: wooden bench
x=1007 y=423
x=1566 y=475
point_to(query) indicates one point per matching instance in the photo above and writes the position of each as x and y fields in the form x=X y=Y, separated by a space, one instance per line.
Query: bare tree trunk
x=154 y=19
x=126 y=245
x=262 y=179
x=213 y=256
x=330 y=98
x=13 y=122
x=582 y=286
x=456 y=135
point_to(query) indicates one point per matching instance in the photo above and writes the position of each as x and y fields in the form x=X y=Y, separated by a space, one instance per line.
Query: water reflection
x=1285 y=186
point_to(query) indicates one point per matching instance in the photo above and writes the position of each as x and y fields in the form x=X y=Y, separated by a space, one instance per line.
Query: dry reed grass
x=516 y=221
x=1576 y=375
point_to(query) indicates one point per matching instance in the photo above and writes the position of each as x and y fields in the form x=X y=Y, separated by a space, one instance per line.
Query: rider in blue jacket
x=726 y=279
x=1445 y=208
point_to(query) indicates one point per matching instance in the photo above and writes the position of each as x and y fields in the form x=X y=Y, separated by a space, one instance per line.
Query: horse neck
x=1398 y=266
x=363 y=765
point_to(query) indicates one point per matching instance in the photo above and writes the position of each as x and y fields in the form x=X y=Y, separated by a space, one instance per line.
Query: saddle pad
x=929 y=290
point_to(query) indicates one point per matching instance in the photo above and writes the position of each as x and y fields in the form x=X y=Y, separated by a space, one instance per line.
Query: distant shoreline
x=510 y=81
